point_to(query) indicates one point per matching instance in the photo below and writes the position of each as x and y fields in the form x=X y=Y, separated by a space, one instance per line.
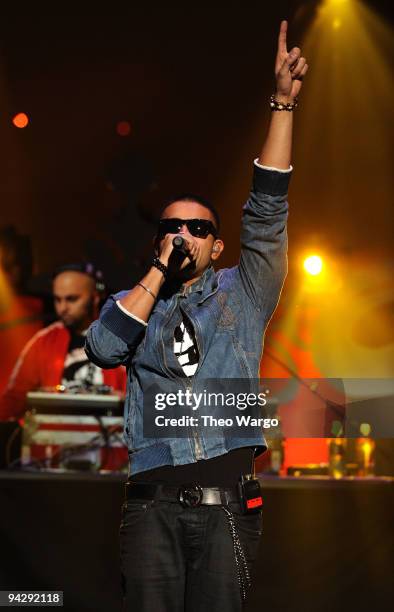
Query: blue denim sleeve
x=263 y=261
x=114 y=337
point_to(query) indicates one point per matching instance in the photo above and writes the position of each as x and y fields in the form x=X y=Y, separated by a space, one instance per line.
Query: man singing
x=187 y=544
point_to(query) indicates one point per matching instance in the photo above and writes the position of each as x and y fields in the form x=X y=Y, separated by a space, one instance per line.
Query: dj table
x=74 y=431
x=327 y=544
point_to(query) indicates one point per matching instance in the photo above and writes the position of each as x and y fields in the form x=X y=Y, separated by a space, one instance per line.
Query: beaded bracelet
x=160 y=266
x=279 y=106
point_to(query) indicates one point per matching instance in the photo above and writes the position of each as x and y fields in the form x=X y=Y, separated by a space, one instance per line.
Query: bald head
x=76 y=299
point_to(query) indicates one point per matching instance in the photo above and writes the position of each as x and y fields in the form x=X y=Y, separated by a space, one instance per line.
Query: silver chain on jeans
x=243 y=573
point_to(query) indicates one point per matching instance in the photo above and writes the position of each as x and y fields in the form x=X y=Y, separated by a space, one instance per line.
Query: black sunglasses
x=200 y=228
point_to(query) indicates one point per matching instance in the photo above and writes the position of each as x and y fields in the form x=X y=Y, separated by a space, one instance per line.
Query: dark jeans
x=176 y=559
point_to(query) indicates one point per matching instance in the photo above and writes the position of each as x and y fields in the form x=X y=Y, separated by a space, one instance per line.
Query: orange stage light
x=20 y=120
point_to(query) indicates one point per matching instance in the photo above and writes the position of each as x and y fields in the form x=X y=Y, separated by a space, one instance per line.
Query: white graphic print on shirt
x=185 y=348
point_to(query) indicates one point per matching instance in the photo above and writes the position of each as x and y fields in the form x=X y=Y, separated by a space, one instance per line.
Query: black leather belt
x=189 y=495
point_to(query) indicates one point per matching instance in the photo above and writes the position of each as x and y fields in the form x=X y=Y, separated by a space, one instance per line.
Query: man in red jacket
x=55 y=355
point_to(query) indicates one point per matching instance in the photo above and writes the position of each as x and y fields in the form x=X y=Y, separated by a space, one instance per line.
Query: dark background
x=193 y=80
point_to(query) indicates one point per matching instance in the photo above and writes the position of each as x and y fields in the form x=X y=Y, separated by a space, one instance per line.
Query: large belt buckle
x=190 y=495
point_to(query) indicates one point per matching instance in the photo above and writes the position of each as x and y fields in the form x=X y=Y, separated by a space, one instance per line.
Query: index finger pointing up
x=282 y=45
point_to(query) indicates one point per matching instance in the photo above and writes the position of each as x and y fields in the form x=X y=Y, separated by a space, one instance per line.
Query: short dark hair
x=87 y=268
x=190 y=197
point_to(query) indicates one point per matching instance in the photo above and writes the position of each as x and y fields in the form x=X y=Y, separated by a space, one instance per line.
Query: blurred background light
x=20 y=120
x=123 y=128
x=313 y=265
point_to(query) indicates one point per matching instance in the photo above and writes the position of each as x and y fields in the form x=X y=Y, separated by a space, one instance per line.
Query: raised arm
x=263 y=262
x=290 y=68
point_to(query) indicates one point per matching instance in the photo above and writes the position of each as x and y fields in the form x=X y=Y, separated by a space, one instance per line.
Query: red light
x=20 y=120
x=123 y=128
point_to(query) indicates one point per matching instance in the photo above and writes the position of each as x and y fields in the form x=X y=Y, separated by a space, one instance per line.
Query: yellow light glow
x=313 y=265
x=367 y=451
x=336 y=24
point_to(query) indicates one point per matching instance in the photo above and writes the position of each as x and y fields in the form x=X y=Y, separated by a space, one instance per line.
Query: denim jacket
x=229 y=311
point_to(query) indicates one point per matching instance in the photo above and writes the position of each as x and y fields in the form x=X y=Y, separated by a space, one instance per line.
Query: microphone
x=179 y=244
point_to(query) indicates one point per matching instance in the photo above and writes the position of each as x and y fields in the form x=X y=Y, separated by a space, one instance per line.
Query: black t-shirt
x=77 y=367
x=223 y=471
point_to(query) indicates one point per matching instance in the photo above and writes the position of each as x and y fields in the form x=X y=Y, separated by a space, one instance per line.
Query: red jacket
x=41 y=364
x=20 y=319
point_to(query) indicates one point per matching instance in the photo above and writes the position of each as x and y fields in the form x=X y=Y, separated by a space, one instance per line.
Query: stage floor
x=327 y=544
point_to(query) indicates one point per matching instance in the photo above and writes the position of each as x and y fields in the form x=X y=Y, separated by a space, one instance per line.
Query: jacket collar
x=198 y=286
x=205 y=281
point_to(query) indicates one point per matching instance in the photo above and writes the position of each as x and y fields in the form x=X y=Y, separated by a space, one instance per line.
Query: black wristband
x=160 y=266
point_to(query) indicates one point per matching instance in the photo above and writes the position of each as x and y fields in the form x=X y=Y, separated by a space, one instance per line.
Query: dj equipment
x=74 y=431
x=75 y=403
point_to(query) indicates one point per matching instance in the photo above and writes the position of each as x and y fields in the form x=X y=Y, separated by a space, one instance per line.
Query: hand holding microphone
x=177 y=250
x=180 y=244
x=186 y=246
